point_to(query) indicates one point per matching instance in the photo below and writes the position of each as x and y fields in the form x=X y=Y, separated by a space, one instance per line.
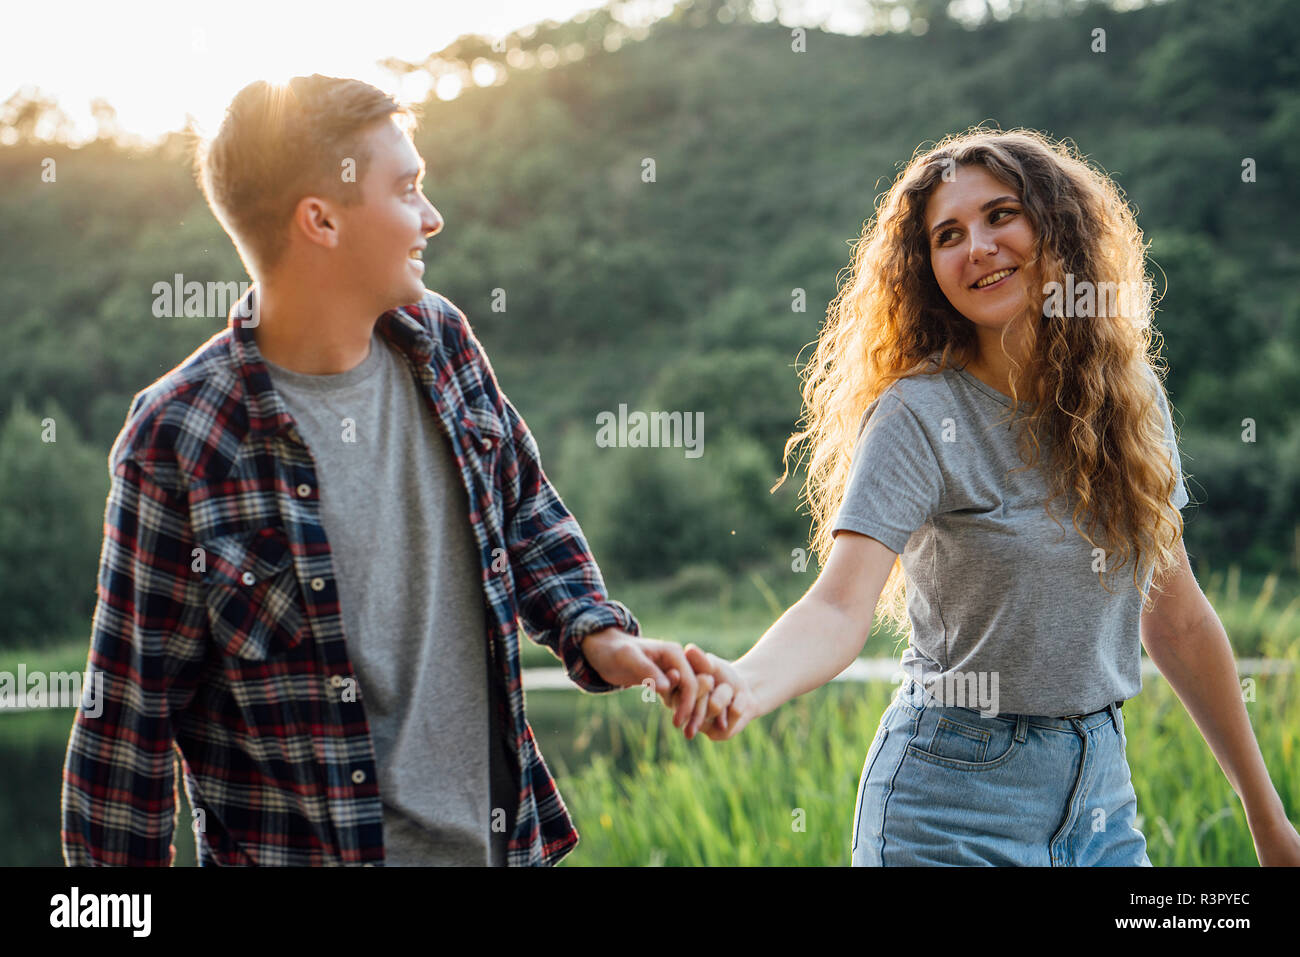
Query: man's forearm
x=807 y=646
x=1199 y=666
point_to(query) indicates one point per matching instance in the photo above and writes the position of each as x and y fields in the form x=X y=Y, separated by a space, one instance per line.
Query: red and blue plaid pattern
x=218 y=632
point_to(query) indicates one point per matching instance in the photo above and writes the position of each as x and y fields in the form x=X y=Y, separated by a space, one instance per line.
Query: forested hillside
x=677 y=294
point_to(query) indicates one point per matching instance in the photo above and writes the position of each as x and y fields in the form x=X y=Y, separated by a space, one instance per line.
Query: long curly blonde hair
x=1105 y=428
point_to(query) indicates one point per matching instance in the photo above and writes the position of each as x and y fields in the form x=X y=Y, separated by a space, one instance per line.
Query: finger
x=672 y=655
x=698 y=658
x=704 y=688
x=674 y=678
x=716 y=732
x=707 y=662
x=701 y=704
x=723 y=695
x=646 y=665
x=735 y=713
x=727 y=720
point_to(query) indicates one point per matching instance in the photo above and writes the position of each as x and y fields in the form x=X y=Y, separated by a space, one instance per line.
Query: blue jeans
x=945 y=785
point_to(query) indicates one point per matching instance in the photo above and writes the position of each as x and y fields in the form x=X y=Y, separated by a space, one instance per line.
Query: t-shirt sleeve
x=1179 y=498
x=895 y=484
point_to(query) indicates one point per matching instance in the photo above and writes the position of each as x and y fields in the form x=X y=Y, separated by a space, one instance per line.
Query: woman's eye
x=943 y=236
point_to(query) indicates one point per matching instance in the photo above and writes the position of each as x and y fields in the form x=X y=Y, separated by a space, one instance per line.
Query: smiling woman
x=1021 y=650
x=925 y=282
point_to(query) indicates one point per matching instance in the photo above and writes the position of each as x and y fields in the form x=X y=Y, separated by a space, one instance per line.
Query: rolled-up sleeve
x=559 y=588
x=559 y=591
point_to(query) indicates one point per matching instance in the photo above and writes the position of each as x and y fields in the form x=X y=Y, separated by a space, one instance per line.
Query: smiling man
x=323 y=530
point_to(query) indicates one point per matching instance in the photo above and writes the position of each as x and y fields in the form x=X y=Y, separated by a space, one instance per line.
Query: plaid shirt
x=218 y=632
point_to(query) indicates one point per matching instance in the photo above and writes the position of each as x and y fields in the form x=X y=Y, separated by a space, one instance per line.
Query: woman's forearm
x=807 y=646
x=1199 y=666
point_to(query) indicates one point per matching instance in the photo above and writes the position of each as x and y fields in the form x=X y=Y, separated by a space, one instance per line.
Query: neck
x=995 y=368
x=309 y=329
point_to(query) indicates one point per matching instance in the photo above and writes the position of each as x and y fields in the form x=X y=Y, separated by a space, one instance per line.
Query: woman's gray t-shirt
x=1007 y=611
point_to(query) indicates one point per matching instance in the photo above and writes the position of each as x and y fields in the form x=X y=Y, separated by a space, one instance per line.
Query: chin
x=410 y=295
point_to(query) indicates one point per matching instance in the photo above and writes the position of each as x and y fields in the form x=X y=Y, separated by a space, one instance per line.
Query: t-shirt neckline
x=988 y=390
x=332 y=381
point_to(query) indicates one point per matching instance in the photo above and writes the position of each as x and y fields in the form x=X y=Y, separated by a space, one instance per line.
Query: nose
x=433 y=221
x=982 y=246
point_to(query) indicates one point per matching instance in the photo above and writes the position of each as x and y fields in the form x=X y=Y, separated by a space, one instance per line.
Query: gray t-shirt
x=1006 y=608
x=396 y=513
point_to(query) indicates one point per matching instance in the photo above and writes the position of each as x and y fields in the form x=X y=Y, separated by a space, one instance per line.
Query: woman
x=1000 y=269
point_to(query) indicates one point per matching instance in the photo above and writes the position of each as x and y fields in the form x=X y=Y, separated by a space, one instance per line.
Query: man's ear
x=315 y=220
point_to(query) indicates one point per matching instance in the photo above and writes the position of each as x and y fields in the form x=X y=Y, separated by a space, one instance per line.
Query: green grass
x=783 y=791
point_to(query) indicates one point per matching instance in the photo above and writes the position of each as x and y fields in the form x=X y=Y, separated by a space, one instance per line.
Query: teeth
x=415 y=254
x=989 y=280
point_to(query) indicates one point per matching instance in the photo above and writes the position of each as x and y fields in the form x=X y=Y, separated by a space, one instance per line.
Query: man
x=322 y=530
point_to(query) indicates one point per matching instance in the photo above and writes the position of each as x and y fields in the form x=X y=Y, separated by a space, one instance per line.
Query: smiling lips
x=993 y=278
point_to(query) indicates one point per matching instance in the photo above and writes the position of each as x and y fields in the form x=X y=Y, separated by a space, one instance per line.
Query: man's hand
x=627 y=660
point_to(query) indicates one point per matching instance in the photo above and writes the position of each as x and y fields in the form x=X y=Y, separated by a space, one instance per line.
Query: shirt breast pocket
x=255 y=606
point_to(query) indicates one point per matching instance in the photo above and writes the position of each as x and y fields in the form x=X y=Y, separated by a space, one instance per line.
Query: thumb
x=698 y=658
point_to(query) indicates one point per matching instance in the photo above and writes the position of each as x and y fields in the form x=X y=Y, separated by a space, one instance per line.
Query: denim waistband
x=912 y=693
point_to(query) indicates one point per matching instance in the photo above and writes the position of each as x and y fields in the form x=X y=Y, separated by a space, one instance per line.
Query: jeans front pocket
x=962 y=741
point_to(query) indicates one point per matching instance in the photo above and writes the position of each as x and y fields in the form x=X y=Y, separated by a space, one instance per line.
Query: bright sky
x=157 y=60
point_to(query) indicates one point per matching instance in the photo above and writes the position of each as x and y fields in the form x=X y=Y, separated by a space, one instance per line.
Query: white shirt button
x=304 y=490
x=317 y=584
x=486 y=445
x=248 y=578
x=358 y=776
x=336 y=681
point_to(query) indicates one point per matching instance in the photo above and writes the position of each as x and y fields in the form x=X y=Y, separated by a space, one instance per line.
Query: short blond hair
x=278 y=143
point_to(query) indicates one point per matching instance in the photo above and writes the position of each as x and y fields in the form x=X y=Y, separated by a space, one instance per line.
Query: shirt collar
x=266 y=410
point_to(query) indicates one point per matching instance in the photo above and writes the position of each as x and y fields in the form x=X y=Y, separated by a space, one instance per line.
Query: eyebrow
x=989 y=205
x=410 y=173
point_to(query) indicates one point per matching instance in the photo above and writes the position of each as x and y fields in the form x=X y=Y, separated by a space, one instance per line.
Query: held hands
x=628 y=660
x=706 y=692
x=724 y=702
